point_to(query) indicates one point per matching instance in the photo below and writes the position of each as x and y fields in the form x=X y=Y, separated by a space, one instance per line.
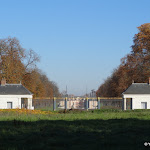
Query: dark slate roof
x=138 y=88
x=14 y=89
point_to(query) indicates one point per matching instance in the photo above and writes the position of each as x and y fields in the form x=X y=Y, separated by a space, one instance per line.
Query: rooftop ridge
x=14 y=89
x=13 y=84
x=139 y=83
x=138 y=88
x=10 y=84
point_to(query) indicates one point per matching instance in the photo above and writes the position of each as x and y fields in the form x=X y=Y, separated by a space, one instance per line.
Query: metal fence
x=79 y=103
x=46 y=104
x=111 y=103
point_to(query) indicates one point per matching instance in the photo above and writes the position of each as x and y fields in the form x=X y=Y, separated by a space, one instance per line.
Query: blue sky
x=80 y=42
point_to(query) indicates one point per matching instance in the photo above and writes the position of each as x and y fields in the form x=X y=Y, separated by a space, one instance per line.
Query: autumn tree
x=134 y=67
x=52 y=87
x=12 y=55
x=19 y=65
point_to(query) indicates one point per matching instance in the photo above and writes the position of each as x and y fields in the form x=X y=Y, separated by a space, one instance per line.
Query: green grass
x=45 y=108
x=86 y=130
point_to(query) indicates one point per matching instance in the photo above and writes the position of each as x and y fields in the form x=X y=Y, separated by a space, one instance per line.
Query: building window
x=143 y=105
x=9 y=105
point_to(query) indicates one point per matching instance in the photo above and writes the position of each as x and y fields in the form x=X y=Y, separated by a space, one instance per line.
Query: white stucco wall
x=16 y=101
x=137 y=99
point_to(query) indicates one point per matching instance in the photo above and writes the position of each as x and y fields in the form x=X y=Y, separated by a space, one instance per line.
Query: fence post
x=87 y=103
x=124 y=104
x=65 y=103
x=54 y=103
x=98 y=101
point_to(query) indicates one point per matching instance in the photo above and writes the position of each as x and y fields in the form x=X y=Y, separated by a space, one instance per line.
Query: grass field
x=86 y=130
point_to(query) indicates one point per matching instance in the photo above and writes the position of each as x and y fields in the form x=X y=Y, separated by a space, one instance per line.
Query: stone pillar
x=29 y=103
x=98 y=102
x=54 y=104
x=86 y=104
x=124 y=103
x=66 y=103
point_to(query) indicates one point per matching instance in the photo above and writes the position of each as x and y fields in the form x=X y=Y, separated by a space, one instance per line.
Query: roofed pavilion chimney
x=3 y=82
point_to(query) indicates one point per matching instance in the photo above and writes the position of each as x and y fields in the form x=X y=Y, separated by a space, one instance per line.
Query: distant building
x=77 y=103
x=93 y=93
x=14 y=96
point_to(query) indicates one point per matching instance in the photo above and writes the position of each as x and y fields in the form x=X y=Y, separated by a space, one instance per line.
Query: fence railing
x=78 y=103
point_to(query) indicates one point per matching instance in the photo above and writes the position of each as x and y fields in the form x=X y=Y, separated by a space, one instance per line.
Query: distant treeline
x=19 y=65
x=135 y=67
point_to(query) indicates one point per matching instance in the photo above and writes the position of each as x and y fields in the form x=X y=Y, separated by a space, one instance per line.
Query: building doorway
x=129 y=103
x=143 y=105
x=24 y=103
x=9 y=105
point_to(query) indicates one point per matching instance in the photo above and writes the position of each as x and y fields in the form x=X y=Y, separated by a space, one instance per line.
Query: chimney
x=3 y=82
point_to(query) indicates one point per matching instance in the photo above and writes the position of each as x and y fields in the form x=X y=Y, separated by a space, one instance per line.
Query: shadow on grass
x=79 y=134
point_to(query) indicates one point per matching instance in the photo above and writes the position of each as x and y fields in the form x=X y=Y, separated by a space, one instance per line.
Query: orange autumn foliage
x=134 y=67
x=19 y=65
